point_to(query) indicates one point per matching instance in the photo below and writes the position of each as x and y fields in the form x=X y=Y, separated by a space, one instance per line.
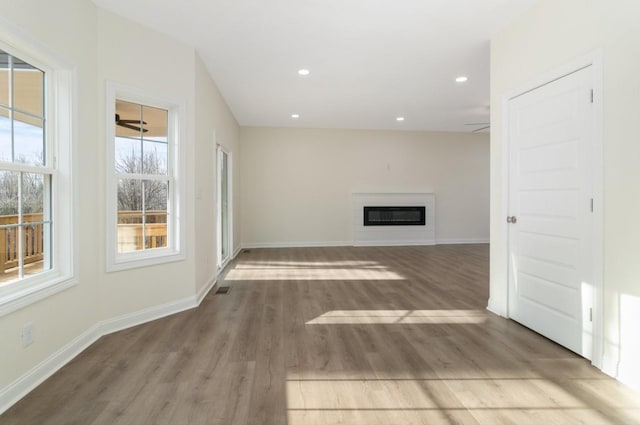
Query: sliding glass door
x=224 y=206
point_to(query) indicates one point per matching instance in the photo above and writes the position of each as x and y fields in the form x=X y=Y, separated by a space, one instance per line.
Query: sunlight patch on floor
x=400 y=317
x=406 y=401
x=296 y=270
x=308 y=264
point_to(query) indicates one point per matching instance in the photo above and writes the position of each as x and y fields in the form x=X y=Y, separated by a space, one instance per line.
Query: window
x=25 y=203
x=143 y=188
x=35 y=184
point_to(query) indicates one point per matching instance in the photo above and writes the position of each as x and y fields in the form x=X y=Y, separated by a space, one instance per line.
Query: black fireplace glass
x=394 y=216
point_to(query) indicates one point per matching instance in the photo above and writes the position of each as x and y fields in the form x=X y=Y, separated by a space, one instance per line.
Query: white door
x=550 y=210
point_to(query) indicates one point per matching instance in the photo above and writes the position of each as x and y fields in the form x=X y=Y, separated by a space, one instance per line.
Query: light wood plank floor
x=334 y=336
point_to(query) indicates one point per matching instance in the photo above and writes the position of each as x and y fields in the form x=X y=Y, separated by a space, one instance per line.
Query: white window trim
x=176 y=252
x=60 y=94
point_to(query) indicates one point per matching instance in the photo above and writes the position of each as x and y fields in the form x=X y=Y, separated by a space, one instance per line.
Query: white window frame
x=59 y=127
x=175 y=249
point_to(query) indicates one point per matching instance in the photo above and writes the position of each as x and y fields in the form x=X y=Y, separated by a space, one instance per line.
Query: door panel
x=550 y=189
x=554 y=296
x=556 y=157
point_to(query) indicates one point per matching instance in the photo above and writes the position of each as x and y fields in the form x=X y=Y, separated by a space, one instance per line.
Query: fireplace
x=393 y=219
x=394 y=216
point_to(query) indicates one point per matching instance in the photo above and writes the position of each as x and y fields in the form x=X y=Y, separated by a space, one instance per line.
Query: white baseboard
x=462 y=241
x=12 y=393
x=205 y=289
x=610 y=365
x=492 y=307
x=622 y=365
x=229 y=259
x=351 y=243
x=395 y=243
x=629 y=372
x=295 y=244
x=148 y=314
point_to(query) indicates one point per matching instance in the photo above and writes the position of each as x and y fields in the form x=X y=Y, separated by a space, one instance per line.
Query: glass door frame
x=223 y=255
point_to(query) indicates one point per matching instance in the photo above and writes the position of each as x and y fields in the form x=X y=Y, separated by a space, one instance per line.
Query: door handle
x=512 y=219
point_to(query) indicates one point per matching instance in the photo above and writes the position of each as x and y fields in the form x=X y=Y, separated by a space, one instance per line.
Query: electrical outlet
x=27 y=335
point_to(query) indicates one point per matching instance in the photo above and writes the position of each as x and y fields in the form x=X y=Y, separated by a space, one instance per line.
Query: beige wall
x=297 y=183
x=549 y=36
x=104 y=46
x=215 y=123
x=131 y=290
x=62 y=317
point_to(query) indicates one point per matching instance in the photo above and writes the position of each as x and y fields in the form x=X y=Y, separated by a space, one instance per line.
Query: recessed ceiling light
x=400 y=119
x=461 y=79
x=303 y=72
x=295 y=116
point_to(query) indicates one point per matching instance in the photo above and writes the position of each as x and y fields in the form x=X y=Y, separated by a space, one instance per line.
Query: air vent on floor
x=223 y=290
x=246 y=251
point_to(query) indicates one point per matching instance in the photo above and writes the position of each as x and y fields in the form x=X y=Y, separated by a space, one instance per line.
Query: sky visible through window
x=28 y=142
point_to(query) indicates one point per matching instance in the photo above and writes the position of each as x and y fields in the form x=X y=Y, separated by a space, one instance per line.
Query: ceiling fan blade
x=480 y=129
x=477 y=123
x=132 y=122
x=131 y=127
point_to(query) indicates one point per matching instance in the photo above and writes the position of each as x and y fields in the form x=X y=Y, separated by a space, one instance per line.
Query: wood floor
x=334 y=336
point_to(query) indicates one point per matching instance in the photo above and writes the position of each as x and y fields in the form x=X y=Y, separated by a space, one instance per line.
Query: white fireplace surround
x=393 y=235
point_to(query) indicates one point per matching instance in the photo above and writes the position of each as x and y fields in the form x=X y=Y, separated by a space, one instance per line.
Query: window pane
x=156 y=120
x=129 y=215
x=4 y=78
x=28 y=139
x=128 y=155
x=155 y=158
x=156 y=195
x=128 y=119
x=5 y=135
x=9 y=235
x=32 y=196
x=155 y=235
x=36 y=236
x=28 y=88
x=34 y=244
x=9 y=184
x=130 y=234
x=129 y=196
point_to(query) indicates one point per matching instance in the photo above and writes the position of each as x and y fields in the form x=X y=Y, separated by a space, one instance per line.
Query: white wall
x=550 y=35
x=213 y=117
x=140 y=58
x=297 y=183
x=104 y=46
x=68 y=28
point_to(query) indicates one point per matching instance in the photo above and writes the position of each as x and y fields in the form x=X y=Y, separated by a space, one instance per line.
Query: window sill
x=136 y=260
x=28 y=293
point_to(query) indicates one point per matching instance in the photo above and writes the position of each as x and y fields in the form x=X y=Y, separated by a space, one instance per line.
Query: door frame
x=593 y=60
x=220 y=263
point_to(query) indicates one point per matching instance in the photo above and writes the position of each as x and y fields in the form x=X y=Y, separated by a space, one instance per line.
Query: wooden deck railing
x=130 y=236
x=32 y=242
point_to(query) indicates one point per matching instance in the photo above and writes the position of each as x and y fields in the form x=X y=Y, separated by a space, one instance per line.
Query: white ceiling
x=370 y=60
